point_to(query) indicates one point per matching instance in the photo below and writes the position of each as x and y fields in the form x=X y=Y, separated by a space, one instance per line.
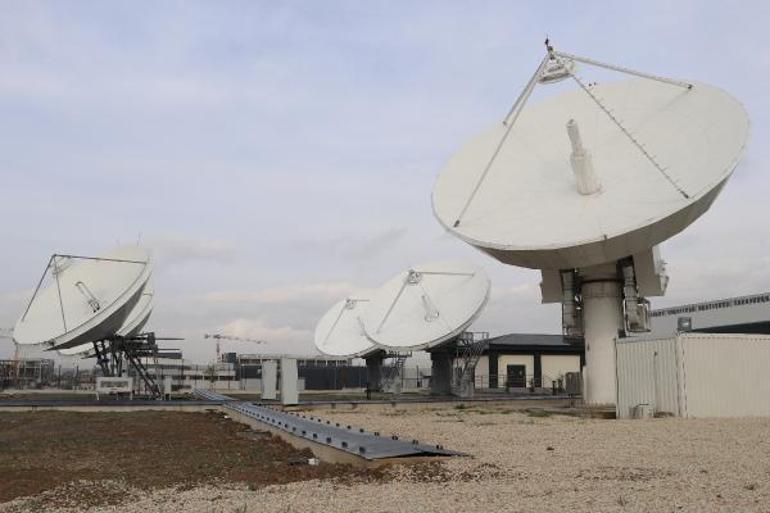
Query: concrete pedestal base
x=602 y=322
x=466 y=389
x=441 y=374
x=374 y=372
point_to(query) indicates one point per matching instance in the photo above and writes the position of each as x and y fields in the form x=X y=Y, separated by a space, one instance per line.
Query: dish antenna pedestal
x=385 y=378
x=427 y=307
x=117 y=354
x=586 y=184
x=95 y=306
x=340 y=332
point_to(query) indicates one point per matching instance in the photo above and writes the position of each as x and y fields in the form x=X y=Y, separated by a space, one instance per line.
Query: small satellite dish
x=134 y=324
x=88 y=299
x=340 y=331
x=425 y=306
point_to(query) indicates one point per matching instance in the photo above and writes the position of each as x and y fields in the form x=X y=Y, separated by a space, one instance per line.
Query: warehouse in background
x=742 y=314
x=315 y=372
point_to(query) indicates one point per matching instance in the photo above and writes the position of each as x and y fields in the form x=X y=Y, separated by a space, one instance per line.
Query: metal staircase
x=391 y=375
x=469 y=348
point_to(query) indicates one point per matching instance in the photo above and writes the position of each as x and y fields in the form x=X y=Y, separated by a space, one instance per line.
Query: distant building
x=315 y=373
x=742 y=314
x=26 y=373
x=244 y=372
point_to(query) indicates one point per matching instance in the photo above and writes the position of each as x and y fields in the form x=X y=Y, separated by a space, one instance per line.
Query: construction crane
x=219 y=337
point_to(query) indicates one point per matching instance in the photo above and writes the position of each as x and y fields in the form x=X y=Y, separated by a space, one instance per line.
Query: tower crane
x=219 y=338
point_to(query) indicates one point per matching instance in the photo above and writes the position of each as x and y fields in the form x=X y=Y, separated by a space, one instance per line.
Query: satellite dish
x=340 y=332
x=425 y=306
x=139 y=315
x=82 y=350
x=134 y=324
x=527 y=209
x=586 y=184
x=88 y=299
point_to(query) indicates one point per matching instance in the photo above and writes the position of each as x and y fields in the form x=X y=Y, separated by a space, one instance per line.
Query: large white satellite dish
x=528 y=211
x=425 y=306
x=139 y=315
x=585 y=184
x=133 y=325
x=88 y=299
x=340 y=331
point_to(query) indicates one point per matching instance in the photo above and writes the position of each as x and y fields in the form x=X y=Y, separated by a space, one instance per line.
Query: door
x=516 y=376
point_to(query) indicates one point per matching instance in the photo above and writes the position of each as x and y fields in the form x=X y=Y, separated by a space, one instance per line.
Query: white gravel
x=523 y=464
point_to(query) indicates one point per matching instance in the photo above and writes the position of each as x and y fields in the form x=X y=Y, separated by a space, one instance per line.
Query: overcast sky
x=276 y=156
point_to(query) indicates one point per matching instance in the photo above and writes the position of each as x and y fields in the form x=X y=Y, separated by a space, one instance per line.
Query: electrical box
x=269 y=379
x=289 y=381
x=638 y=316
x=573 y=383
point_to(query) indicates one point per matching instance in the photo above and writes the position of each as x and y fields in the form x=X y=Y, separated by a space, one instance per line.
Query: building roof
x=743 y=314
x=536 y=342
x=730 y=302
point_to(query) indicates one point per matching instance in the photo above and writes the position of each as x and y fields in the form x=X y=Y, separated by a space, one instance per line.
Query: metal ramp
x=359 y=442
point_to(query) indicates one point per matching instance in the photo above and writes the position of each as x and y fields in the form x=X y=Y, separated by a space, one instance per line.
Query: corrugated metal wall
x=726 y=375
x=696 y=375
x=648 y=374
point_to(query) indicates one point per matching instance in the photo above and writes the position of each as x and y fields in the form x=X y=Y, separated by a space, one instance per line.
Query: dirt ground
x=143 y=450
x=521 y=462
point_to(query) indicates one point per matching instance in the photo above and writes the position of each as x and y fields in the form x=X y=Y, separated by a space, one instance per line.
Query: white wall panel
x=648 y=374
x=555 y=366
x=726 y=375
x=696 y=375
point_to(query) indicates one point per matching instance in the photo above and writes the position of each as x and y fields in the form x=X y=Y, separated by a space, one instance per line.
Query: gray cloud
x=277 y=156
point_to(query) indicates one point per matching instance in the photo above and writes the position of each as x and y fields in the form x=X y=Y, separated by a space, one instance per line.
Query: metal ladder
x=391 y=375
x=469 y=349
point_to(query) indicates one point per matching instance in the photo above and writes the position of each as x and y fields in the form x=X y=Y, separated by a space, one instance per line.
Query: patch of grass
x=538 y=413
x=53 y=451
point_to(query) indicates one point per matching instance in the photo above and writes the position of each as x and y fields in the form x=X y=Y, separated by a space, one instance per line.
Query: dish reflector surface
x=96 y=299
x=140 y=314
x=134 y=324
x=527 y=212
x=427 y=305
x=340 y=332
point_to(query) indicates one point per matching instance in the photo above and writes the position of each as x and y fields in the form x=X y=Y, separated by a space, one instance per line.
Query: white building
x=520 y=360
x=694 y=375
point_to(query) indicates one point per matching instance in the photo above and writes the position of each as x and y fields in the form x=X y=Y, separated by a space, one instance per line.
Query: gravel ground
x=521 y=463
